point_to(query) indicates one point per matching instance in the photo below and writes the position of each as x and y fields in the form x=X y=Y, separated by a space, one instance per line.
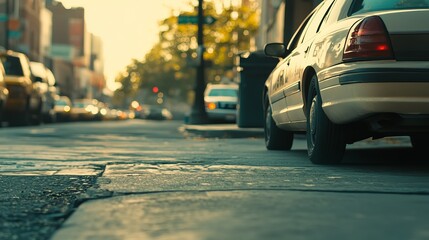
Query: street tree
x=170 y=64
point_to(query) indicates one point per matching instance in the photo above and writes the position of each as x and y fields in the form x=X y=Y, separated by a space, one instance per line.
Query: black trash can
x=253 y=69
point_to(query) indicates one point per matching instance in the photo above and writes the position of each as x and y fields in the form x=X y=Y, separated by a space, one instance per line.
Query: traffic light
x=155 y=89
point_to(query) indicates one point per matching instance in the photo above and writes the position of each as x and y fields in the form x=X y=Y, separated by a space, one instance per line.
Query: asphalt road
x=142 y=179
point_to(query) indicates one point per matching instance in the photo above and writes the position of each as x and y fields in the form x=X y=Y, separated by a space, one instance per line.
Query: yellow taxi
x=24 y=103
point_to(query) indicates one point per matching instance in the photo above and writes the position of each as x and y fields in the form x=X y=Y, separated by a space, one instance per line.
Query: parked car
x=63 y=108
x=45 y=82
x=24 y=104
x=221 y=102
x=85 y=110
x=4 y=93
x=111 y=114
x=154 y=112
x=103 y=110
x=354 y=69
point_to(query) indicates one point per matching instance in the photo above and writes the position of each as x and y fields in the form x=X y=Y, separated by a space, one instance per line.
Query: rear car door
x=298 y=62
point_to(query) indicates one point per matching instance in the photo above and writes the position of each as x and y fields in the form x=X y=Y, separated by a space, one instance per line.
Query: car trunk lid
x=409 y=33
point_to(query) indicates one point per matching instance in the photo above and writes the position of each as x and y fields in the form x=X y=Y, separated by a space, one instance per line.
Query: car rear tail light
x=368 y=40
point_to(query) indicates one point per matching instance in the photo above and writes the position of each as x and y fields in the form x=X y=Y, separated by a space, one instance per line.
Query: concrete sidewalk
x=221 y=131
x=156 y=185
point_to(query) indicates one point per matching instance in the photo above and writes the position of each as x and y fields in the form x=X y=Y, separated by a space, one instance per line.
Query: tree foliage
x=170 y=64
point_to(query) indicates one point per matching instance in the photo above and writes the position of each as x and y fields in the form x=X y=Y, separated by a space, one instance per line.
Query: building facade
x=75 y=50
x=48 y=32
x=21 y=25
x=45 y=33
x=280 y=19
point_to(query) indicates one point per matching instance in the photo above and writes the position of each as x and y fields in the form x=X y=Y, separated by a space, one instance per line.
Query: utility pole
x=198 y=111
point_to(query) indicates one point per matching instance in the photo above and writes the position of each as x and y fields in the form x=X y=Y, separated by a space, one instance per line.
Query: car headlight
x=211 y=106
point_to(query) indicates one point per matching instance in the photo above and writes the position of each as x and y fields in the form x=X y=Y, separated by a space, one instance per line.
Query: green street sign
x=191 y=19
x=209 y=20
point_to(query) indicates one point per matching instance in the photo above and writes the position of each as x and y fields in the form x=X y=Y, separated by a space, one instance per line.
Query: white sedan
x=354 y=69
x=221 y=102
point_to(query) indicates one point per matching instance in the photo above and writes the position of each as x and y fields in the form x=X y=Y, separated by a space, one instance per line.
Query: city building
x=21 y=25
x=76 y=54
x=98 y=81
x=280 y=19
x=48 y=32
x=45 y=33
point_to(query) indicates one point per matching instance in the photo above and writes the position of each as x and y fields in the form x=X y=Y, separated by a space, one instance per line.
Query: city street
x=141 y=179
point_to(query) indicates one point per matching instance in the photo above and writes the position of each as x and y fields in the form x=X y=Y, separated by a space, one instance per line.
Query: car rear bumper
x=62 y=114
x=16 y=105
x=83 y=117
x=222 y=114
x=351 y=96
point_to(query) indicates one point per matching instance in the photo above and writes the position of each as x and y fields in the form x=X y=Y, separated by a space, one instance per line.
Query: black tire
x=275 y=138
x=325 y=140
x=23 y=118
x=50 y=117
x=1 y=114
x=38 y=115
x=419 y=143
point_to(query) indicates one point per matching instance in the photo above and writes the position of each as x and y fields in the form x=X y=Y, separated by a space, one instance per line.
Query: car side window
x=335 y=13
x=12 y=66
x=364 y=6
x=315 y=22
x=325 y=18
x=293 y=43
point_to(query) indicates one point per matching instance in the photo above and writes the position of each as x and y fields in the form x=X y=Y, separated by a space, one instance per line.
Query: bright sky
x=128 y=28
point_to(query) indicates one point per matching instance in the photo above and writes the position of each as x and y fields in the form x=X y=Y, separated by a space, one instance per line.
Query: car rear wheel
x=419 y=142
x=275 y=138
x=1 y=113
x=38 y=116
x=325 y=140
x=21 y=118
x=50 y=117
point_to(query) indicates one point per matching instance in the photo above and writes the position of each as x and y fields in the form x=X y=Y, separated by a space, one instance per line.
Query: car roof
x=13 y=53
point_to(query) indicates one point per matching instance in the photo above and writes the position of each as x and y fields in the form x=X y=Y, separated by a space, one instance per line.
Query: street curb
x=221 y=131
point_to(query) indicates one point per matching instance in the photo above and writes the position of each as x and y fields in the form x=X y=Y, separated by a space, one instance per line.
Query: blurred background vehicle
x=106 y=113
x=84 y=110
x=53 y=90
x=154 y=112
x=111 y=114
x=63 y=108
x=122 y=115
x=221 y=102
x=4 y=93
x=24 y=104
x=45 y=81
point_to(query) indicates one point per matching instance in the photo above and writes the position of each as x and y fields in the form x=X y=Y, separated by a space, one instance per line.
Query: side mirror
x=276 y=50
